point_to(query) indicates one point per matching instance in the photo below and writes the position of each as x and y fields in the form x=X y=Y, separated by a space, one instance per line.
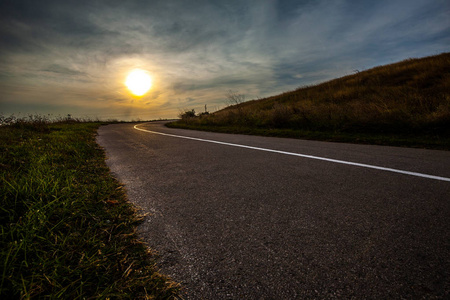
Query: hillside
x=409 y=100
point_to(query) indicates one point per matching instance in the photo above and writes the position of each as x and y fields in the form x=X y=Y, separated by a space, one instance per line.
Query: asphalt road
x=239 y=223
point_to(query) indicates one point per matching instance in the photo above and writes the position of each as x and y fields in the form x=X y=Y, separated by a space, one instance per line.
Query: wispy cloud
x=81 y=51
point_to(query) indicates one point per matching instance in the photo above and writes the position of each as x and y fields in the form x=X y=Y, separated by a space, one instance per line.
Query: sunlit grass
x=67 y=229
x=406 y=103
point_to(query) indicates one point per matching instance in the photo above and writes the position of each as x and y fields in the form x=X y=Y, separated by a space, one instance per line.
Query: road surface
x=233 y=222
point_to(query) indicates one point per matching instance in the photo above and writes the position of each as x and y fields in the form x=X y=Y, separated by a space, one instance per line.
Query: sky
x=73 y=57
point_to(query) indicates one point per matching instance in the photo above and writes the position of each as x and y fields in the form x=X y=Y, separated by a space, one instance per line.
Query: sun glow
x=138 y=82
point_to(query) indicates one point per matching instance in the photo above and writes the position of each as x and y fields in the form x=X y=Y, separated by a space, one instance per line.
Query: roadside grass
x=67 y=229
x=399 y=140
x=402 y=104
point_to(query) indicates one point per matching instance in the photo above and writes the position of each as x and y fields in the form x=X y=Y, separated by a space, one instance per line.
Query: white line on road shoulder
x=303 y=155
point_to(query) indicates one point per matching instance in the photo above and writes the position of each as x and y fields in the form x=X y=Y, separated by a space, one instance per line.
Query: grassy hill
x=406 y=103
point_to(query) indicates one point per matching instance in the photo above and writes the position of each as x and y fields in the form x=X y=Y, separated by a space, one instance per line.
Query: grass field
x=67 y=229
x=404 y=104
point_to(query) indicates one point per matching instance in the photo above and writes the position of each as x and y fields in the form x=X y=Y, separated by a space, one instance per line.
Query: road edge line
x=303 y=155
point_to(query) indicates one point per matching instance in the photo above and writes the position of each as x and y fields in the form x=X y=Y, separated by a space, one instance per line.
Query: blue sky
x=72 y=57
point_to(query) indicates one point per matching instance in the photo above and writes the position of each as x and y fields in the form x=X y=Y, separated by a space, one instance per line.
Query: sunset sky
x=72 y=57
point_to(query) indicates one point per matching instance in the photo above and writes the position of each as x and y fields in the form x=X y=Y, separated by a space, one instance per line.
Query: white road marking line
x=303 y=155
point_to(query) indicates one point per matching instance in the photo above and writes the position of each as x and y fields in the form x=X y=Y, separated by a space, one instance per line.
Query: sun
x=138 y=82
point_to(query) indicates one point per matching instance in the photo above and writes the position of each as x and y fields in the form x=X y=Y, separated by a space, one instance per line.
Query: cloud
x=55 y=68
x=198 y=50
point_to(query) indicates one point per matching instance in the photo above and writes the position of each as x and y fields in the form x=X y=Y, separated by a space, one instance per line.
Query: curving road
x=246 y=217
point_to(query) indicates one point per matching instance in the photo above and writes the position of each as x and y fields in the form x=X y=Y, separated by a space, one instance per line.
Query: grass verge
x=436 y=141
x=67 y=229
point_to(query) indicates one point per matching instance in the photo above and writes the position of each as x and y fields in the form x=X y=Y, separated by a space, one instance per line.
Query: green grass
x=413 y=141
x=404 y=104
x=67 y=229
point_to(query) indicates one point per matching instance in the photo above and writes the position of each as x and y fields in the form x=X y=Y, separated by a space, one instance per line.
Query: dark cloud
x=197 y=50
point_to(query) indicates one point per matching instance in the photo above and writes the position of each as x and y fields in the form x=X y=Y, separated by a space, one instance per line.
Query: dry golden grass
x=411 y=97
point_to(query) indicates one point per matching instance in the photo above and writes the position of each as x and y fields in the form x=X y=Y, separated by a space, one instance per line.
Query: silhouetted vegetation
x=409 y=100
x=188 y=114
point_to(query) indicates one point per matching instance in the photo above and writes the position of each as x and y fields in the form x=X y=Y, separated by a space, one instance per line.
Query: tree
x=188 y=114
x=234 y=98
